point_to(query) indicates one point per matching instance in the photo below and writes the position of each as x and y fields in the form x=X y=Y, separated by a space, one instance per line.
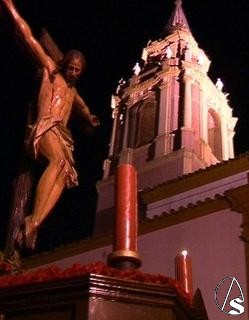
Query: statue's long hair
x=62 y=64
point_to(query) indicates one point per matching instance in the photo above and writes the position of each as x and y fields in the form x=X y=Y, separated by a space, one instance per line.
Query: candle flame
x=184 y=253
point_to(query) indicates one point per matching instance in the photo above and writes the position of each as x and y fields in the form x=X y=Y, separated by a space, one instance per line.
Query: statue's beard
x=71 y=81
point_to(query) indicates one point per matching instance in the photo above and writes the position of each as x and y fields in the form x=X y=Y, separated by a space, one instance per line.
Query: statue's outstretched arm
x=27 y=37
x=83 y=109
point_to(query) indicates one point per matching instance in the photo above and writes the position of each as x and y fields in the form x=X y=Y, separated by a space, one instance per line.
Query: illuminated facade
x=170 y=119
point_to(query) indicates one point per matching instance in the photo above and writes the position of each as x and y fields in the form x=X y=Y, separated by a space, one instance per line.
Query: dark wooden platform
x=96 y=297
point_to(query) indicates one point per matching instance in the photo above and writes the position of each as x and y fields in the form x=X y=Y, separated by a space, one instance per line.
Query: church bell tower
x=169 y=118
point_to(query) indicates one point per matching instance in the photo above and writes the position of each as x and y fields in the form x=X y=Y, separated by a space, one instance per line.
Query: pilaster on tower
x=170 y=119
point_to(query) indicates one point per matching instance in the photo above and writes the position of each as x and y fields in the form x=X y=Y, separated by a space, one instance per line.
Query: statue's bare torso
x=55 y=98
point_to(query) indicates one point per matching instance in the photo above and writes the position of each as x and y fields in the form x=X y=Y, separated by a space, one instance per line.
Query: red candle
x=126 y=208
x=183 y=269
x=125 y=234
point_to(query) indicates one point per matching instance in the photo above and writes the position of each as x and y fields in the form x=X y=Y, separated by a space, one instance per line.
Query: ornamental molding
x=196 y=179
x=239 y=201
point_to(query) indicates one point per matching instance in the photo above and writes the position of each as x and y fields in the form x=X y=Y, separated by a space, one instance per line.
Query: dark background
x=111 y=33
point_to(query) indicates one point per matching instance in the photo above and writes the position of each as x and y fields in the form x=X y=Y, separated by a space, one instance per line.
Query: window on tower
x=142 y=122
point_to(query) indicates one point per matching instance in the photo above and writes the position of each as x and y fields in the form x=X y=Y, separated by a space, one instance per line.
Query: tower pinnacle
x=178 y=18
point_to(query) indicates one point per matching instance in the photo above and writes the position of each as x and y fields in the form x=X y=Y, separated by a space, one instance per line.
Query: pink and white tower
x=170 y=119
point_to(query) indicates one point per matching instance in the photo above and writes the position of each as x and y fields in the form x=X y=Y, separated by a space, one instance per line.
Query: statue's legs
x=50 y=186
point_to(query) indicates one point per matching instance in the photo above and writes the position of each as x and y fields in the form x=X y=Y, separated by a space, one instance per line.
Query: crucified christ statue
x=49 y=139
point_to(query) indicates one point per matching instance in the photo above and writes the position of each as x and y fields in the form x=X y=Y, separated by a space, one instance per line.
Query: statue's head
x=72 y=66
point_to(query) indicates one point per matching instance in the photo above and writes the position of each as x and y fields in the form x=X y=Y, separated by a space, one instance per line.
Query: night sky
x=111 y=33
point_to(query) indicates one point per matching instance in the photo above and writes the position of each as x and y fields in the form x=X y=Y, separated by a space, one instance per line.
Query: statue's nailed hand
x=94 y=120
